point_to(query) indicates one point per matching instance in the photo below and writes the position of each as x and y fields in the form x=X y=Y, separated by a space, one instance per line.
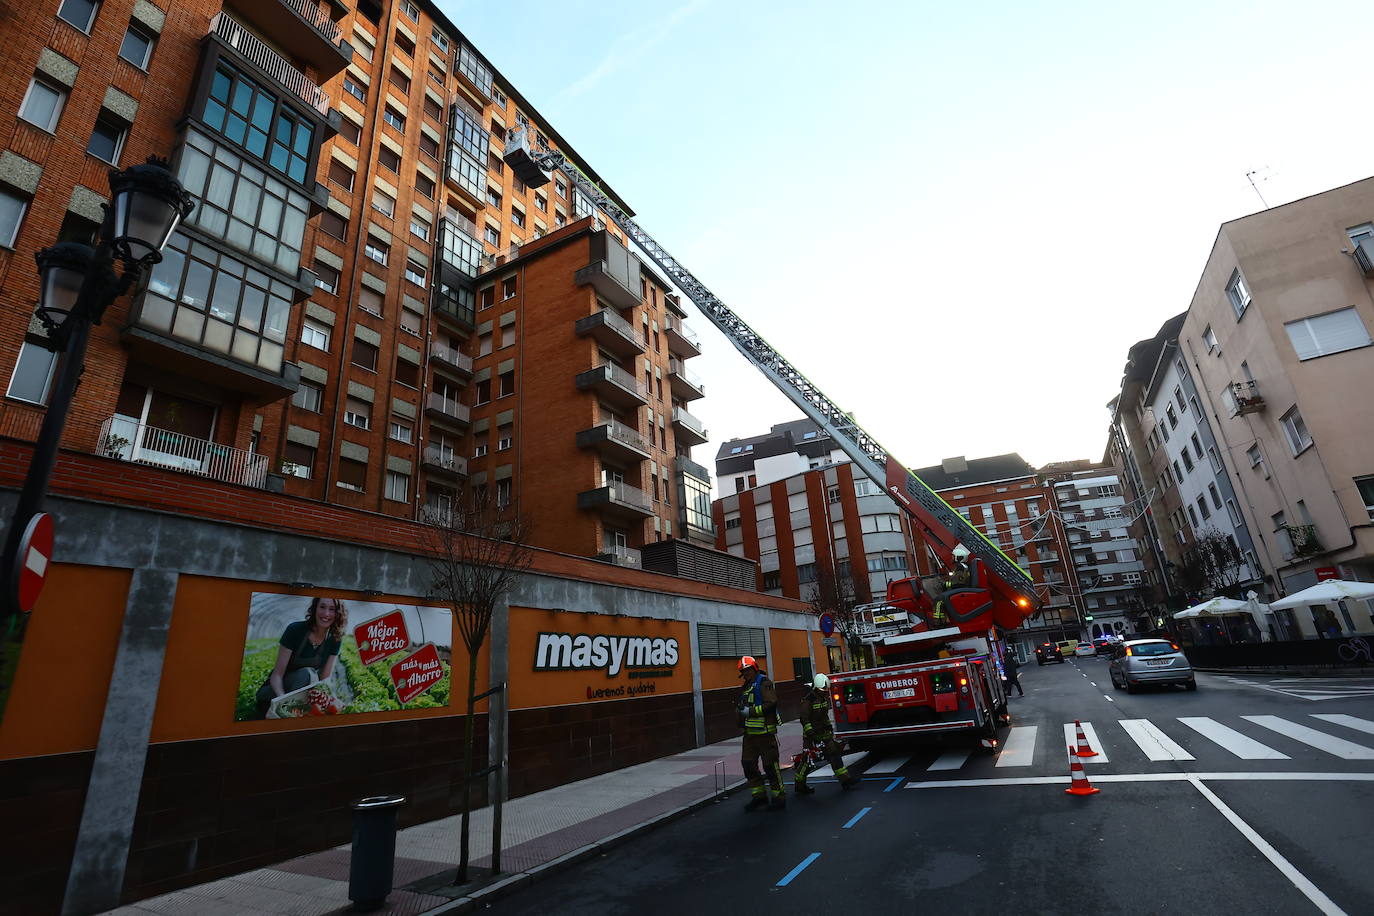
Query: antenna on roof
x=1250 y=176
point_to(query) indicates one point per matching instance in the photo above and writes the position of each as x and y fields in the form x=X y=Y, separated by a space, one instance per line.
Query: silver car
x=1138 y=662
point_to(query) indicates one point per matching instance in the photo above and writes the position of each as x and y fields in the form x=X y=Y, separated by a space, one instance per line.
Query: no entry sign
x=31 y=563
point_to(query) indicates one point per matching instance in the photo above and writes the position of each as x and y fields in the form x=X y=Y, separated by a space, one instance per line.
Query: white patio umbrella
x=1327 y=592
x=1214 y=607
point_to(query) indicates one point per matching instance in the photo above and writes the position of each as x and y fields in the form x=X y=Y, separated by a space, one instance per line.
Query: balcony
x=518 y=156
x=682 y=340
x=614 y=440
x=449 y=361
x=1364 y=257
x=446 y=410
x=613 y=385
x=684 y=383
x=613 y=271
x=1302 y=541
x=687 y=428
x=674 y=304
x=260 y=55
x=621 y=556
x=128 y=440
x=303 y=29
x=444 y=463
x=467 y=177
x=472 y=71
x=1246 y=398
x=617 y=500
x=611 y=332
x=499 y=258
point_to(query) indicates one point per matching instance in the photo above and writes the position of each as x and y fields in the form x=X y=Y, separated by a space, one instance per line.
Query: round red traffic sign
x=35 y=553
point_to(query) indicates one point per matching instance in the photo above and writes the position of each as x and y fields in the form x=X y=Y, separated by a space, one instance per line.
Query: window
x=561 y=186
x=425 y=185
x=1216 y=496
x=406 y=372
x=411 y=322
x=341 y=174
x=439 y=39
x=371 y=301
x=429 y=146
x=1197 y=446
x=507 y=387
x=508 y=337
x=1187 y=459
x=377 y=250
x=80 y=13
x=251 y=117
x=1202 y=507
x=326 y=277
x=1210 y=339
x=494 y=197
x=362 y=43
x=76 y=228
x=314 y=334
x=1296 y=431
x=1173 y=417
x=393 y=117
x=389 y=159
x=1164 y=432
x=1192 y=517
x=399 y=80
x=364 y=355
x=397 y=486
x=484 y=344
x=503 y=493
x=1322 y=335
x=383 y=202
x=1178 y=471
x=33 y=372
x=494 y=164
x=352 y=87
x=404 y=44
x=483 y=393
x=416 y=272
x=1232 y=511
x=350 y=131
x=1238 y=293
x=1365 y=486
x=301 y=458
x=486 y=298
x=1280 y=522
x=308 y=396
x=352 y=474
x=11 y=215
x=505 y=439
x=508 y=288
x=411 y=10
x=419 y=227
x=517 y=216
x=357 y=412
x=541 y=201
x=43 y=105
x=137 y=47
x=493 y=235
x=479 y=447
x=401 y=430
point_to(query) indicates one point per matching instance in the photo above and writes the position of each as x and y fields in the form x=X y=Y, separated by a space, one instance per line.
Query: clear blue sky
x=955 y=219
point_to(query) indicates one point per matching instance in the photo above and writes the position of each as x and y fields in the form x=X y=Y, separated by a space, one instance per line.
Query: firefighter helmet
x=821 y=682
x=747 y=661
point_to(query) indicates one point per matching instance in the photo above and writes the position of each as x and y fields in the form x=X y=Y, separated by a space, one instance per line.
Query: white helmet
x=820 y=682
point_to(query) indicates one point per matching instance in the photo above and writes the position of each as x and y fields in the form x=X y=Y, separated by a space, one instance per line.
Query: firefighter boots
x=755 y=803
x=802 y=788
x=778 y=802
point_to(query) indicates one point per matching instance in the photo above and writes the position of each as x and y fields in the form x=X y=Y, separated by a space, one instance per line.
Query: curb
x=518 y=880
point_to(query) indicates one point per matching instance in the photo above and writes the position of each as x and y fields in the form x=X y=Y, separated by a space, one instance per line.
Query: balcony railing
x=317 y=14
x=228 y=29
x=447 y=407
x=437 y=459
x=1303 y=539
x=621 y=556
x=681 y=339
x=442 y=352
x=1364 y=256
x=1247 y=398
x=128 y=440
x=626 y=434
x=682 y=417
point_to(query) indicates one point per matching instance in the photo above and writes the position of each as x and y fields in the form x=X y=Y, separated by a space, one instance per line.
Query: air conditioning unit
x=1364 y=256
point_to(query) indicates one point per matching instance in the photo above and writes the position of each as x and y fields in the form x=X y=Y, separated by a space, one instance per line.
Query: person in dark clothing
x=817 y=732
x=1010 y=666
x=758 y=716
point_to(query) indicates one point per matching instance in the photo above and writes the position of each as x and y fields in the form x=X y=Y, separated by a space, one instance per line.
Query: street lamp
x=77 y=285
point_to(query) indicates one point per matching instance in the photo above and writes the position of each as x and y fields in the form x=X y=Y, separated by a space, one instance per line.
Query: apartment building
x=786 y=449
x=1004 y=497
x=378 y=302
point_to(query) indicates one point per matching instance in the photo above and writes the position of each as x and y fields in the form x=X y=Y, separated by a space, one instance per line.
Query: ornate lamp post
x=77 y=285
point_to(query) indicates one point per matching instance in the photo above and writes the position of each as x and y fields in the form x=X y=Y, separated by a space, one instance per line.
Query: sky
x=955 y=219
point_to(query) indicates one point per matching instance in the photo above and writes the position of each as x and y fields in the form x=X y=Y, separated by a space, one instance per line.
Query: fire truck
x=944 y=667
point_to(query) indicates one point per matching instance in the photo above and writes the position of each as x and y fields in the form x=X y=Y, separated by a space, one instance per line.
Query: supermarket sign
x=612 y=654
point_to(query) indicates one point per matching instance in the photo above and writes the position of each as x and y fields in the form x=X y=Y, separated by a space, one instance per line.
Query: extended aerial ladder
x=1011 y=590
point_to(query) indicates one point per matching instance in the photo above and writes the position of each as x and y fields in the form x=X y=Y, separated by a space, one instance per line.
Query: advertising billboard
x=322 y=656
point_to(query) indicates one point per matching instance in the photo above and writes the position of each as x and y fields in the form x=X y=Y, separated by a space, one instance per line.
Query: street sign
x=31 y=562
x=1327 y=572
x=827 y=624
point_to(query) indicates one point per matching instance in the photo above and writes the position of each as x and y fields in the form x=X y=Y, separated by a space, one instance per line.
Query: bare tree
x=1212 y=567
x=833 y=594
x=476 y=548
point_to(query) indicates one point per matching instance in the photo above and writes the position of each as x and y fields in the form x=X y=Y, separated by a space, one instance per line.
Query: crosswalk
x=1328 y=733
x=1310 y=688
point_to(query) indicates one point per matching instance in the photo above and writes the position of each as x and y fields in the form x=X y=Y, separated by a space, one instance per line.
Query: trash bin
x=373 y=861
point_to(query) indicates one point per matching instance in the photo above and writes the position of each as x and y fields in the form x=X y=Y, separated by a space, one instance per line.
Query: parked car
x=1085 y=650
x=1068 y=646
x=1139 y=662
x=1048 y=652
x=1106 y=645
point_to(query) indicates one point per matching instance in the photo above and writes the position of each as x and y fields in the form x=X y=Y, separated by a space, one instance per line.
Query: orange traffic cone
x=1084 y=749
x=1080 y=784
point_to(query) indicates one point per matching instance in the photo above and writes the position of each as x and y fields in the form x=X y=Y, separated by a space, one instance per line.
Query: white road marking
x=1107 y=698
x=1094 y=683
x=950 y=761
x=1300 y=881
x=1019 y=751
x=1346 y=750
x=1071 y=739
x=1155 y=744
x=888 y=765
x=1142 y=777
x=1232 y=740
x=1362 y=725
x=849 y=761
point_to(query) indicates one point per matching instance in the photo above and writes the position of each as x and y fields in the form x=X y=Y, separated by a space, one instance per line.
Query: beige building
x=1277 y=338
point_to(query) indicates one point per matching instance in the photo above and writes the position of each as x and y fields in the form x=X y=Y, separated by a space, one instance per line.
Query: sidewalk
x=540 y=833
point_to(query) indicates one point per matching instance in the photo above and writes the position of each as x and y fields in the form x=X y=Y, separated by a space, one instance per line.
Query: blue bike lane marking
x=855 y=819
x=787 y=879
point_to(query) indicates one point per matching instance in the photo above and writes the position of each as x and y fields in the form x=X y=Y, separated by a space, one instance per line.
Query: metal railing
x=446 y=354
x=449 y=407
x=460 y=222
x=674 y=324
x=496 y=259
x=626 y=494
x=610 y=319
x=686 y=419
x=678 y=368
x=623 y=378
x=621 y=556
x=626 y=434
x=129 y=440
x=270 y=62
x=318 y=17
x=435 y=457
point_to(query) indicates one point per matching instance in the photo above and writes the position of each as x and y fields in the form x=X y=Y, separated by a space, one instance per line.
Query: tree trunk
x=467 y=772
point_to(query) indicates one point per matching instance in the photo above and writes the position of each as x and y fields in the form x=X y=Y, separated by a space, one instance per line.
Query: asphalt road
x=1236 y=798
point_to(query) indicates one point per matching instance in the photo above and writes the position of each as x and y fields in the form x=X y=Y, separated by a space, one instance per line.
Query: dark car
x=1048 y=652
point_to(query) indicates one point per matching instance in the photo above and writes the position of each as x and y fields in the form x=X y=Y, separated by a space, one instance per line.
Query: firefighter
x=816 y=732
x=758 y=715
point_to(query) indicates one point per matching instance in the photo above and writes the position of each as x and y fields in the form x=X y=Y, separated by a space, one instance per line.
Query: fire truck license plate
x=899 y=694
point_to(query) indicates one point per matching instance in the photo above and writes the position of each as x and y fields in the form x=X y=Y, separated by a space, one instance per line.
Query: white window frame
x=416 y=272
x=419 y=227
x=401 y=430
x=33 y=351
x=354 y=418
x=1295 y=431
x=1303 y=332
x=397 y=486
x=95 y=11
x=380 y=255
x=1238 y=292
x=318 y=397
x=314 y=334
x=1360 y=487
x=148 y=36
x=411 y=10
x=1209 y=337
x=383 y=202
x=51 y=126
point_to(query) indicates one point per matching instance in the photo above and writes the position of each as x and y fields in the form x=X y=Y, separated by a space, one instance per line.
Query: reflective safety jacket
x=758 y=705
x=815 y=712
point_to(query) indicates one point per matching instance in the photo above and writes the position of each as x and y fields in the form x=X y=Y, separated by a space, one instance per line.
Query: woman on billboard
x=306 y=646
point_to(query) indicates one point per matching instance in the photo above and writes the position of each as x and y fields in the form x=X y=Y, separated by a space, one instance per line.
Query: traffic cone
x=1080 y=784
x=1084 y=749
